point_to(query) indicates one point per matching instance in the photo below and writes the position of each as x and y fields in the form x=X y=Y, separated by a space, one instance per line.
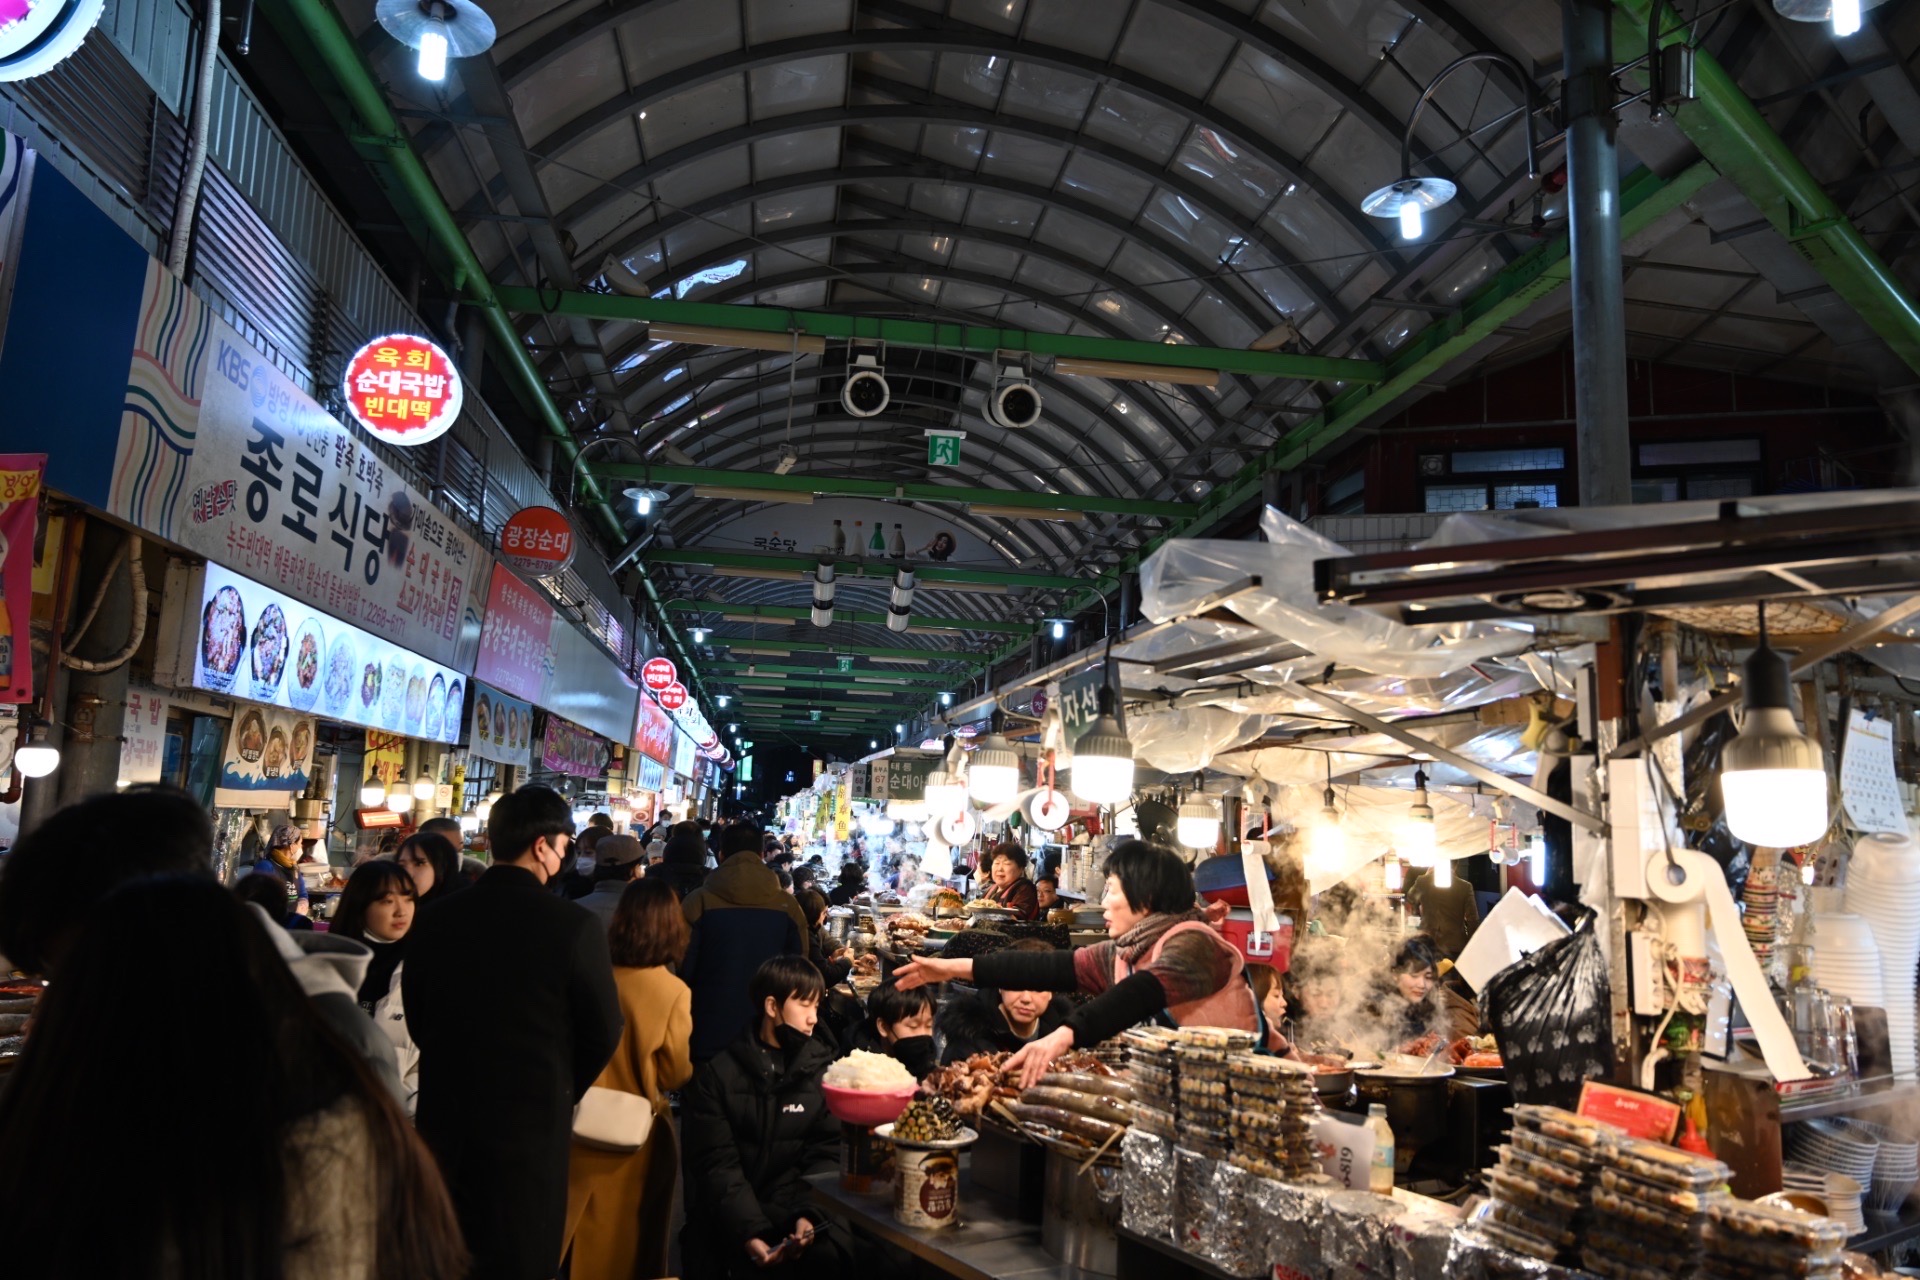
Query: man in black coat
x=510 y=997
x=754 y=1127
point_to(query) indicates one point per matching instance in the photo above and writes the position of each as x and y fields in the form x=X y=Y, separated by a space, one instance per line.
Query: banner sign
x=222 y=453
x=19 y=510
x=143 y=740
x=1080 y=701
x=268 y=753
x=537 y=541
x=653 y=774
x=683 y=755
x=903 y=775
x=658 y=674
x=403 y=389
x=516 y=641
x=653 y=732
x=501 y=729
x=253 y=642
x=569 y=749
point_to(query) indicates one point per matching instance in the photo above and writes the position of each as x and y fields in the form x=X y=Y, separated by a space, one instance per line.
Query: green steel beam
x=860 y=651
x=940 y=337
x=739 y=670
x=841 y=487
x=846 y=615
x=879 y=573
x=380 y=134
x=750 y=695
x=1644 y=199
x=1740 y=145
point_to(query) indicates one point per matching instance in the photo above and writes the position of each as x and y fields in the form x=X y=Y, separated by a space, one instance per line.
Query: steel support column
x=1599 y=302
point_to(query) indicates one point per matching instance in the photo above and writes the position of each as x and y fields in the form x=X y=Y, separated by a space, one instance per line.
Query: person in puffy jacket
x=754 y=1127
x=1000 y=1021
x=739 y=918
x=900 y=1024
x=377 y=909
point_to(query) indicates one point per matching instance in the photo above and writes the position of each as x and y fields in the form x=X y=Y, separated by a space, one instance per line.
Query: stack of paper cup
x=1883 y=885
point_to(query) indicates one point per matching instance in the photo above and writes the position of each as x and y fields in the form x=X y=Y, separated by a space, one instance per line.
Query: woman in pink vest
x=1163 y=963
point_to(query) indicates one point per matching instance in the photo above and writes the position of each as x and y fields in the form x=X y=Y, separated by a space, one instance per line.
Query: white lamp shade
x=1418 y=841
x=423 y=788
x=1103 y=780
x=1442 y=873
x=1329 y=849
x=400 y=799
x=1779 y=808
x=1198 y=825
x=373 y=795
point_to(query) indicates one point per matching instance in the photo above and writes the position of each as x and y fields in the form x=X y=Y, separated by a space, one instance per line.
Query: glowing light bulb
x=1395 y=876
x=1537 y=859
x=37 y=756
x=644 y=505
x=1846 y=17
x=1411 y=221
x=699 y=635
x=1059 y=631
x=946 y=699
x=1443 y=873
x=433 y=59
x=373 y=795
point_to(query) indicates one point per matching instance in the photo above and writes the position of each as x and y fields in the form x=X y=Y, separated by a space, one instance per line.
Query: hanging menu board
x=902 y=775
x=501 y=729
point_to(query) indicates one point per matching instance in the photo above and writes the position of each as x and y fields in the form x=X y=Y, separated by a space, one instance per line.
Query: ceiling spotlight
x=1059 y=629
x=37 y=757
x=1844 y=14
x=644 y=499
x=946 y=699
x=866 y=392
x=699 y=635
x=788 y=461
x=722 y=699
x=1014 y=403
x=438 y=29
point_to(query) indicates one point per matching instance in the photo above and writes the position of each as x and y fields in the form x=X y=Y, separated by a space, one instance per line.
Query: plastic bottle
x=1380 y=1176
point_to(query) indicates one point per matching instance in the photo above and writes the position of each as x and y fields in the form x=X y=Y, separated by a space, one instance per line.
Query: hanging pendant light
x=37 y=756
x=423 y=788
x=1329 y=850
x=400 y=798
x=1442 y=872
x=373 y=794
x=1772 y=777
x=1198 y=824
x=1393 y=876
x=1537 y=860
x=993 y=774
x=438 y=29
x=1103 y=757
x=1418 y=837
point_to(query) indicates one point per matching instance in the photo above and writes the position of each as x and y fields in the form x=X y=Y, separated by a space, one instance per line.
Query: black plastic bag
x=1551 y=1013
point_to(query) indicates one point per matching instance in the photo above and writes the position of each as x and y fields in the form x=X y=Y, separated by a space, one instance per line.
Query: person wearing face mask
x=900 y=1025
x=377 y=908
x=754 y=1127
x=510 y=996
x=1163 y=962
x=433 y=862
x=1000 y=1021
x=576 y=879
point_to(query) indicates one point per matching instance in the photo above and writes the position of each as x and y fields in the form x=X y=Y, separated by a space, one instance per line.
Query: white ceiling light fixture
x=699 y=635
x=1198 y=823
x=438 y=30
x=946 y=699
x=722 y=699
x=400 y=798
x=1418 y=838
x=1103 y=756
x=1844 y=14
x=865 y=394
x=423 y=788
x=37 y=756
x=1772 y=776
x=993 y=772
x=644 y=499
x=1408 y=199
x=373 y=794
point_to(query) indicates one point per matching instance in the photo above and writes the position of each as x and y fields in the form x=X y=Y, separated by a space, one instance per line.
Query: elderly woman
x=1009 y=886
x=1163 y=958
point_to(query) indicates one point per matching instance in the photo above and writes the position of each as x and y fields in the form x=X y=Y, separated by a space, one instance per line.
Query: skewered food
x=928 y=1118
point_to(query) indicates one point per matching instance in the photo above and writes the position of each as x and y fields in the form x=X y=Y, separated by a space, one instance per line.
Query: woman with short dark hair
x=434 y=864
x=299 y=1164
x=1163 y=961
x=619 y=1204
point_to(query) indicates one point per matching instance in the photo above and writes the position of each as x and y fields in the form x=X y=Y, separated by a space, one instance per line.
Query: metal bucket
x=926 y=1187
x=1082 y=1210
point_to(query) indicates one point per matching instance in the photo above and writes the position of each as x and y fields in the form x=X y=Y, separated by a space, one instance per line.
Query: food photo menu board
x=255 y=643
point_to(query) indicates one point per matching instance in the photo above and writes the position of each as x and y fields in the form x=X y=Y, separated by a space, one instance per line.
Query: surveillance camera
x=866 y=392
x=1015 y=402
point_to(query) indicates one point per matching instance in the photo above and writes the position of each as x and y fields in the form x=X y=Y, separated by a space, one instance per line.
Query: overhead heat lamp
x=1417 y=837
x=1772 y=777
x=993 y=774
x=438 y=30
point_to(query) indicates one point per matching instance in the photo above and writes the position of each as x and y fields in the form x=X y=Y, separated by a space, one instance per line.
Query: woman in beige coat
x=619 y=1205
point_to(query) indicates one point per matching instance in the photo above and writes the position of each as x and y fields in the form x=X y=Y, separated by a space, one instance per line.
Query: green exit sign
x=943 y=448
x=846 y=665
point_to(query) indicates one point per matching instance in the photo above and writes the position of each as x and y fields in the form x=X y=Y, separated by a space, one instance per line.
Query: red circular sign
x=403 y=389
x=537 y=541
x=659 y=674
x=674 y=696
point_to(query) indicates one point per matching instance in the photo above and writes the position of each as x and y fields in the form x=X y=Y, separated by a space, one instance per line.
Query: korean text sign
x=403 y=389
x=653 y=731
x=537 y=540
x=281 y=492
x=19 y=510
x=516 y=641
x=569 y=749
x=253 y=642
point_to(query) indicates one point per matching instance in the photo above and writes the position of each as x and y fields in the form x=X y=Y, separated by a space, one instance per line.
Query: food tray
x=1541 y=1169
x=1613 y=1267
x=1221 y=1039
x=1516 y=1218
x=1517 y=1188
x=1749 y=1253
x=1669 y=1199
x=1502 y=1237
x=1656 y=1163
x=1732 y=1219
x=1565 y=1153
x=1556 y=1122
x=1637 y=1216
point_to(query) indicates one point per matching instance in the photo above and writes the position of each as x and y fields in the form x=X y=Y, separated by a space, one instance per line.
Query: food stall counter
x=988 y=1243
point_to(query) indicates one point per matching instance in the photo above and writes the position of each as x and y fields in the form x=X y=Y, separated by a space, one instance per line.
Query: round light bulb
x=1772 y=777
x=373 y=795
x=400 y=799
x=37 y=757
x=1537 y=860
x=993 y=774
x=1329 y=850
x=423 y=788
x=1443 y=873
x=483 y=810
x=1103 y=760
x=1394 y=876
x=1411 y=221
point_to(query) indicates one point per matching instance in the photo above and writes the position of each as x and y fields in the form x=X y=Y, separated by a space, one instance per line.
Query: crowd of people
x=472 y=1072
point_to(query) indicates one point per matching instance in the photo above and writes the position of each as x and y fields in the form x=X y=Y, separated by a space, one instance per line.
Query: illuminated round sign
x=537 y=541
x=674 y=696
x=38 y=35
x=658 y=675
x=403 y=389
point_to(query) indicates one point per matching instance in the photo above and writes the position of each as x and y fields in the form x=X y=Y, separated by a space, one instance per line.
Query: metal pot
x=1416 y=1105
